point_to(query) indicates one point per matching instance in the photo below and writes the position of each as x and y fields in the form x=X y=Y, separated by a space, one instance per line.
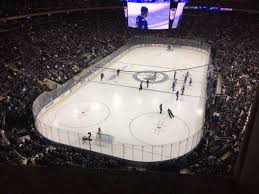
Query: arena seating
x=59 y=50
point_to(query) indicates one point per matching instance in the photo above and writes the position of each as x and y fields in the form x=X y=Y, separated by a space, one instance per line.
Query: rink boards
x=138 y=144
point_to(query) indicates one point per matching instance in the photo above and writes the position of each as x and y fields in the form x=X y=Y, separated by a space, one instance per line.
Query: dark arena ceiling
x=14 y=7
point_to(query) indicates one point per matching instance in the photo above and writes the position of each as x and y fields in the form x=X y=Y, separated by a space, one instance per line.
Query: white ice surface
x=131 y=116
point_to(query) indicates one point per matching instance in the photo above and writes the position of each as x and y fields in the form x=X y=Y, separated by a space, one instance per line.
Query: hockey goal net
x=103 y=139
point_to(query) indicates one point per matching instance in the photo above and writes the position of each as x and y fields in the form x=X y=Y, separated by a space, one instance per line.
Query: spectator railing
x=145 y=152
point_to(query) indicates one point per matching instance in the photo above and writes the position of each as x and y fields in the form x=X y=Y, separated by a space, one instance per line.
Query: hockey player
x=99 y=131
x=89 y=136
x=187 y=74
x=161 y=108
x=177 y=95
x=140 y=86
x=174 y=75
x=183 y=88
x=118 y=72
x=141 y=22
x=185 y=78
x=173 y=86
x=102 y=76
x=147 y=83
x=190 y=82
x=170 y=113
x=84 y=138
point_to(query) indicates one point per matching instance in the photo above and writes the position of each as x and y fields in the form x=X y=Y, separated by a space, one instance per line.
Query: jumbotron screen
x=153 y=14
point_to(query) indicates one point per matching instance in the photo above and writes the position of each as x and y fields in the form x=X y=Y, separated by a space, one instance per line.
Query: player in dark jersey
x=171 y=115
x=161 y=108
x=190 y=82
x=177 y=95
x=185 y=78
x=102 y=76
x=118 y=72
x=173 y=86
x=99 y=131
x=183 y=88
x=147 y=83
x=141 y=22
x=174 y=75
x=140 y=86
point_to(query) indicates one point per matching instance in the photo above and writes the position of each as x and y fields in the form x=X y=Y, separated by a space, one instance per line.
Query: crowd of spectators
x=24 y=7
x=58 y=51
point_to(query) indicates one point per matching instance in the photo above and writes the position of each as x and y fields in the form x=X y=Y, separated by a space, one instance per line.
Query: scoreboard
x=153 y=14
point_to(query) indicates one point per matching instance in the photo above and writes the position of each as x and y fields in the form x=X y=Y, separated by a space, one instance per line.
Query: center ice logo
x=152 y=76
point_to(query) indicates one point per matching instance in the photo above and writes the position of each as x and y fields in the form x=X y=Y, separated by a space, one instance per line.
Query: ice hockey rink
x=128 y=117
